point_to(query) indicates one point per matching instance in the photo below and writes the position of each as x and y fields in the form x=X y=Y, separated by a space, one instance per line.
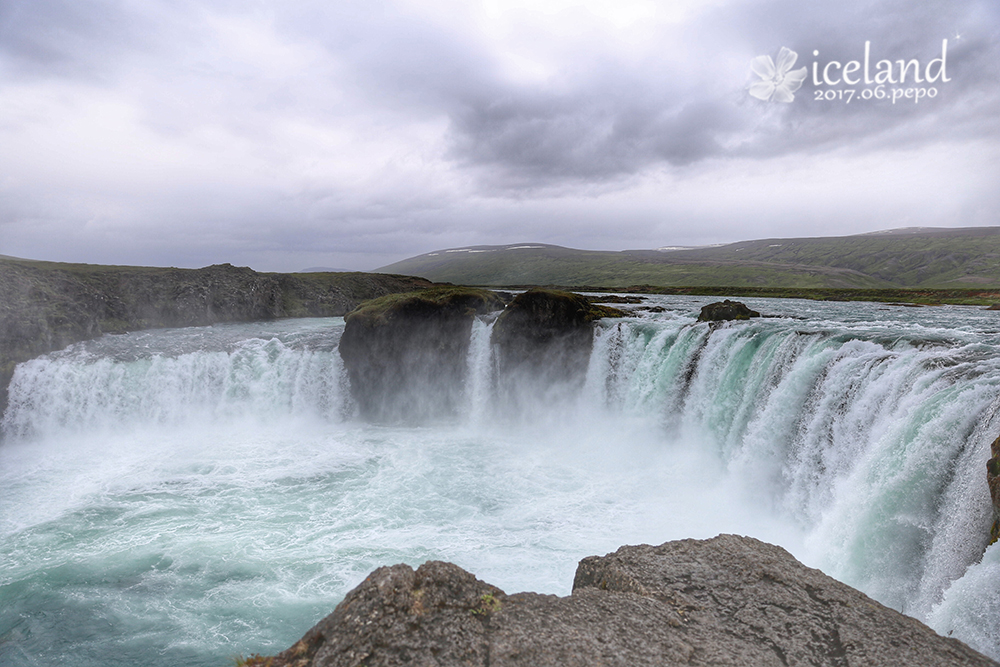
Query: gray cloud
x=619 y=121
x=188 y=133
x=82 y=40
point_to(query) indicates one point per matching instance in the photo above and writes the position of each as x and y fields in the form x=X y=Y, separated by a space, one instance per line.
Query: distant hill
x=323 y=269
x=901 y=258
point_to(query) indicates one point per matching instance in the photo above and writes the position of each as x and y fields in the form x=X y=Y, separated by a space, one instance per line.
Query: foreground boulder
x=405 y=354
x=726 y=601
x=723 y=311
x=547 y=334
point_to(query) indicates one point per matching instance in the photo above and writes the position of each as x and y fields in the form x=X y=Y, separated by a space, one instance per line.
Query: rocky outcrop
x=547 y=334
x=406 y=354
x=45 y=306
x=726 y=601
x=722 y=311
x=993 y=480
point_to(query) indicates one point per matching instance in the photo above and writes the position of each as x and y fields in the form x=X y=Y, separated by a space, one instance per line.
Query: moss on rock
x=433 y=302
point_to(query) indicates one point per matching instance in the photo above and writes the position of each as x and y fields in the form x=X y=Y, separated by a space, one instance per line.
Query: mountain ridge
x=962 y=257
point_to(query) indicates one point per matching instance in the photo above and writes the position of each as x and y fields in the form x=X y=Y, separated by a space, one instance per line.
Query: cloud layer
x=353 y=134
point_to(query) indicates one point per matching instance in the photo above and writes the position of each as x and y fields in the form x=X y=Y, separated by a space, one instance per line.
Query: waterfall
x=875 y=446
x=481 y=368
x=85 y=388
x=861 y=433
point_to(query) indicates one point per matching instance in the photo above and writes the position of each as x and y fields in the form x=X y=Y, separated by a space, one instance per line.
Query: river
x=182 y=496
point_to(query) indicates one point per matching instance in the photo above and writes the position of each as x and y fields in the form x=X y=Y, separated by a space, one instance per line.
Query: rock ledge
x=729 y=600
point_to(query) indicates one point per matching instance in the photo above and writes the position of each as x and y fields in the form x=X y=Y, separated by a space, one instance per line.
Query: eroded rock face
x=993 y=479
x=723 y=311
x=405 y=354
x=775 y=610
x=547 y=334
x=726 y=601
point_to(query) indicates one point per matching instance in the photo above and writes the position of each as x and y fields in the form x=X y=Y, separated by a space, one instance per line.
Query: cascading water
x=480 y=364
x=187 y=495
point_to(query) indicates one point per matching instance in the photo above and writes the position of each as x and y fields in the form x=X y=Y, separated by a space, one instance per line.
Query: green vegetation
x=488 y=604
x=920 y=259
x=562 y=266
x=429 y=300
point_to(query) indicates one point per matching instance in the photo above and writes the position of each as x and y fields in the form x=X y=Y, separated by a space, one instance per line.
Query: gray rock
x=726 y=601
x=405 y=354
x=543 y=339
x=543 y=327
x=722 y=311
x=993 y=480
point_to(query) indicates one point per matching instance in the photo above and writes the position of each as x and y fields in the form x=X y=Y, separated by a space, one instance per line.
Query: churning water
x=182 y=496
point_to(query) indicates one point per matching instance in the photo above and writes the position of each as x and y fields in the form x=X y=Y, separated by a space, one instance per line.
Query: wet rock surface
x=406 y=355
x=723 y=311
x=726 y=601
x=993 y=480
x=547 y=333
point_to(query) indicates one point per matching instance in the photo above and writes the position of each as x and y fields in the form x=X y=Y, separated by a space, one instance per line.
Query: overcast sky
x=288 y=134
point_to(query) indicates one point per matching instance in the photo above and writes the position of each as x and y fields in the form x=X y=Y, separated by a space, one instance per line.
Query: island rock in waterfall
x=547 y=333
x=723 y=311
x=405 y=354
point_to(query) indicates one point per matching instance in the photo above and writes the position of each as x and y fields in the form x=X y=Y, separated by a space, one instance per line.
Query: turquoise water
x=187 y=495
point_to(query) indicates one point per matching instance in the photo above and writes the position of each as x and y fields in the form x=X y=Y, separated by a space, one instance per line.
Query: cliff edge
x=45 y=306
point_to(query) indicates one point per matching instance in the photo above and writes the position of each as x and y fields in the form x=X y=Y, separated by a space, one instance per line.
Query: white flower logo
x=778 y=83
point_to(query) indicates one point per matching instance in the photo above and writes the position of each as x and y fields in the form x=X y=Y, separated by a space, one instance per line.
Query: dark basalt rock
x=993 y=479
x=726 y=601
x=405 y=354
x=547 y=333
x=722 y=311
